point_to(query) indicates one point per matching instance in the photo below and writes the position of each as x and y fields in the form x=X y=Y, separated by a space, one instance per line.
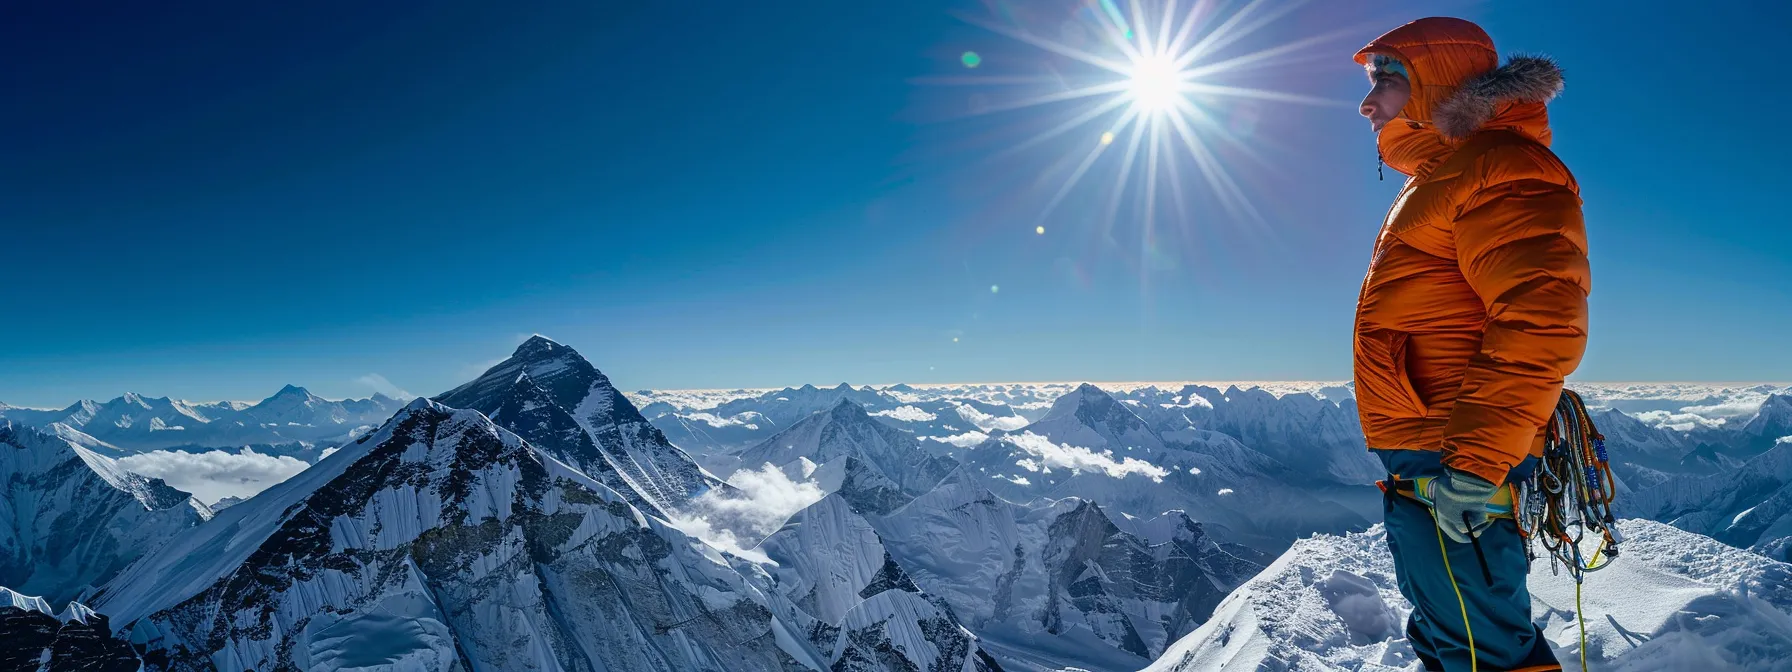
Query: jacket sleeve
x=1522 y=246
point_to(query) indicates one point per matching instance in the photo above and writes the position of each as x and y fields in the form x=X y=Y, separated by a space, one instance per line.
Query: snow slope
x=1673 y=601
x=74 y=518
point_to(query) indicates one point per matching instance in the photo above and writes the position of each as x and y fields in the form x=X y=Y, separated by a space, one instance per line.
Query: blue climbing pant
x=1498 y=611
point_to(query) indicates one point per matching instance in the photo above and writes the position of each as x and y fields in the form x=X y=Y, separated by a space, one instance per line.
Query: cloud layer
x=736 y=521
x=214 y=475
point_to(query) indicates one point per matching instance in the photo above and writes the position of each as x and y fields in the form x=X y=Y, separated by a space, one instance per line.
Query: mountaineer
x=1473 y=311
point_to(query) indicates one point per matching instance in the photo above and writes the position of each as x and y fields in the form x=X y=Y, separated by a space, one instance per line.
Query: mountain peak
x=1085 y=396
x=291 y=390
x=847 y=408
x=538 y=346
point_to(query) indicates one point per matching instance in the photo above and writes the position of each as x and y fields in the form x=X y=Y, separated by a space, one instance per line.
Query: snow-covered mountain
x=874 y=466
x=1673 y=601
x=291 y=417
x=443 y=542
x=551 y=395
x=1093 y=447
x=1058 y=584
x=74 y=518
x=743 y=421
x=1748 y=507
x=830 y=563
x=34 y=638
x=1320 y=434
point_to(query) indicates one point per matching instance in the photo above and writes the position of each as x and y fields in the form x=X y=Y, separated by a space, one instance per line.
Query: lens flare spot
x=994 y=288
x=1107 y=138
x=954 y=339
x=970 y=59
x=1039 y=230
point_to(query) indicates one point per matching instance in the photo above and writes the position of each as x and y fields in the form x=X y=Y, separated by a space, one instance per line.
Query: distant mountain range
x=293 y=420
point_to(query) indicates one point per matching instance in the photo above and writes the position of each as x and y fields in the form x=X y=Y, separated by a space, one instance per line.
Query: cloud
x=217 y=474
x=738 y=420
x=988 y=422
x=1679 y=422
x=907 y=414
x=379 y=384
x=964 y=440
x=1047 y=455
x=736 y=521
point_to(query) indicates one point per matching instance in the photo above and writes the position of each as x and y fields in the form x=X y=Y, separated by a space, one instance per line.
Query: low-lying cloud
x=907 y=414
x=214 y=475
x=988 y=422
x=964 y=440
x=740 y=420
x=736 y=521
x=1047 y=455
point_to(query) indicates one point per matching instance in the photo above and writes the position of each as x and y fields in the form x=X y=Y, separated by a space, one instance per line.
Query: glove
x=1459 y=493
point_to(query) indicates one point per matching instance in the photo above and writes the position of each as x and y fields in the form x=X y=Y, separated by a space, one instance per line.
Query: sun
x=1152 y=92
x=1154 y=84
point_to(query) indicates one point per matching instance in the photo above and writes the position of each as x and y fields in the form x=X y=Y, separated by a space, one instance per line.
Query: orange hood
x=1459 y=87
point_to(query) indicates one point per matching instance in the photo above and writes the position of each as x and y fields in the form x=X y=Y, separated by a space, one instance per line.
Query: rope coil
x=1568 y=499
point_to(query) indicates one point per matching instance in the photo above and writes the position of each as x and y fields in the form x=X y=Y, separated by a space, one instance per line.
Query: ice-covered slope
x=1057 y=584
x=876 y=467
x=73 y=518
x=77 y=639
x=620 y=447
x=870 y=615
x=1673 y=601
x=1748 y=507
x=443 y=542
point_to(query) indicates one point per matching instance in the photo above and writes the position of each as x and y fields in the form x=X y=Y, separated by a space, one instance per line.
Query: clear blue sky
x=212 y=202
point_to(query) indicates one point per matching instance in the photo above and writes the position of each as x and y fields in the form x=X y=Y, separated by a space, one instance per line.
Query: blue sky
x=212 y=203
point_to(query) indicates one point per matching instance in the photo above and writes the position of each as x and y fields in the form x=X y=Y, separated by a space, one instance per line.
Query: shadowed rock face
x=79 y=640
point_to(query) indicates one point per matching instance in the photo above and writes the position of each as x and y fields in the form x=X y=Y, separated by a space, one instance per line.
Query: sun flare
x=1156 y=87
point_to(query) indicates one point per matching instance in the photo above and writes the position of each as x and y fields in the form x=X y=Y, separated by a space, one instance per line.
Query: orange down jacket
x=1474 y=307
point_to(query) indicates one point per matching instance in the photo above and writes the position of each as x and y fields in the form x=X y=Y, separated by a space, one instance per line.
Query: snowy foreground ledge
x=1673 y=601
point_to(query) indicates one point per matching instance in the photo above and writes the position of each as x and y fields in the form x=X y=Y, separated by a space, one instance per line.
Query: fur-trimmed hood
x=1523 y=79
x=1458 y=87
